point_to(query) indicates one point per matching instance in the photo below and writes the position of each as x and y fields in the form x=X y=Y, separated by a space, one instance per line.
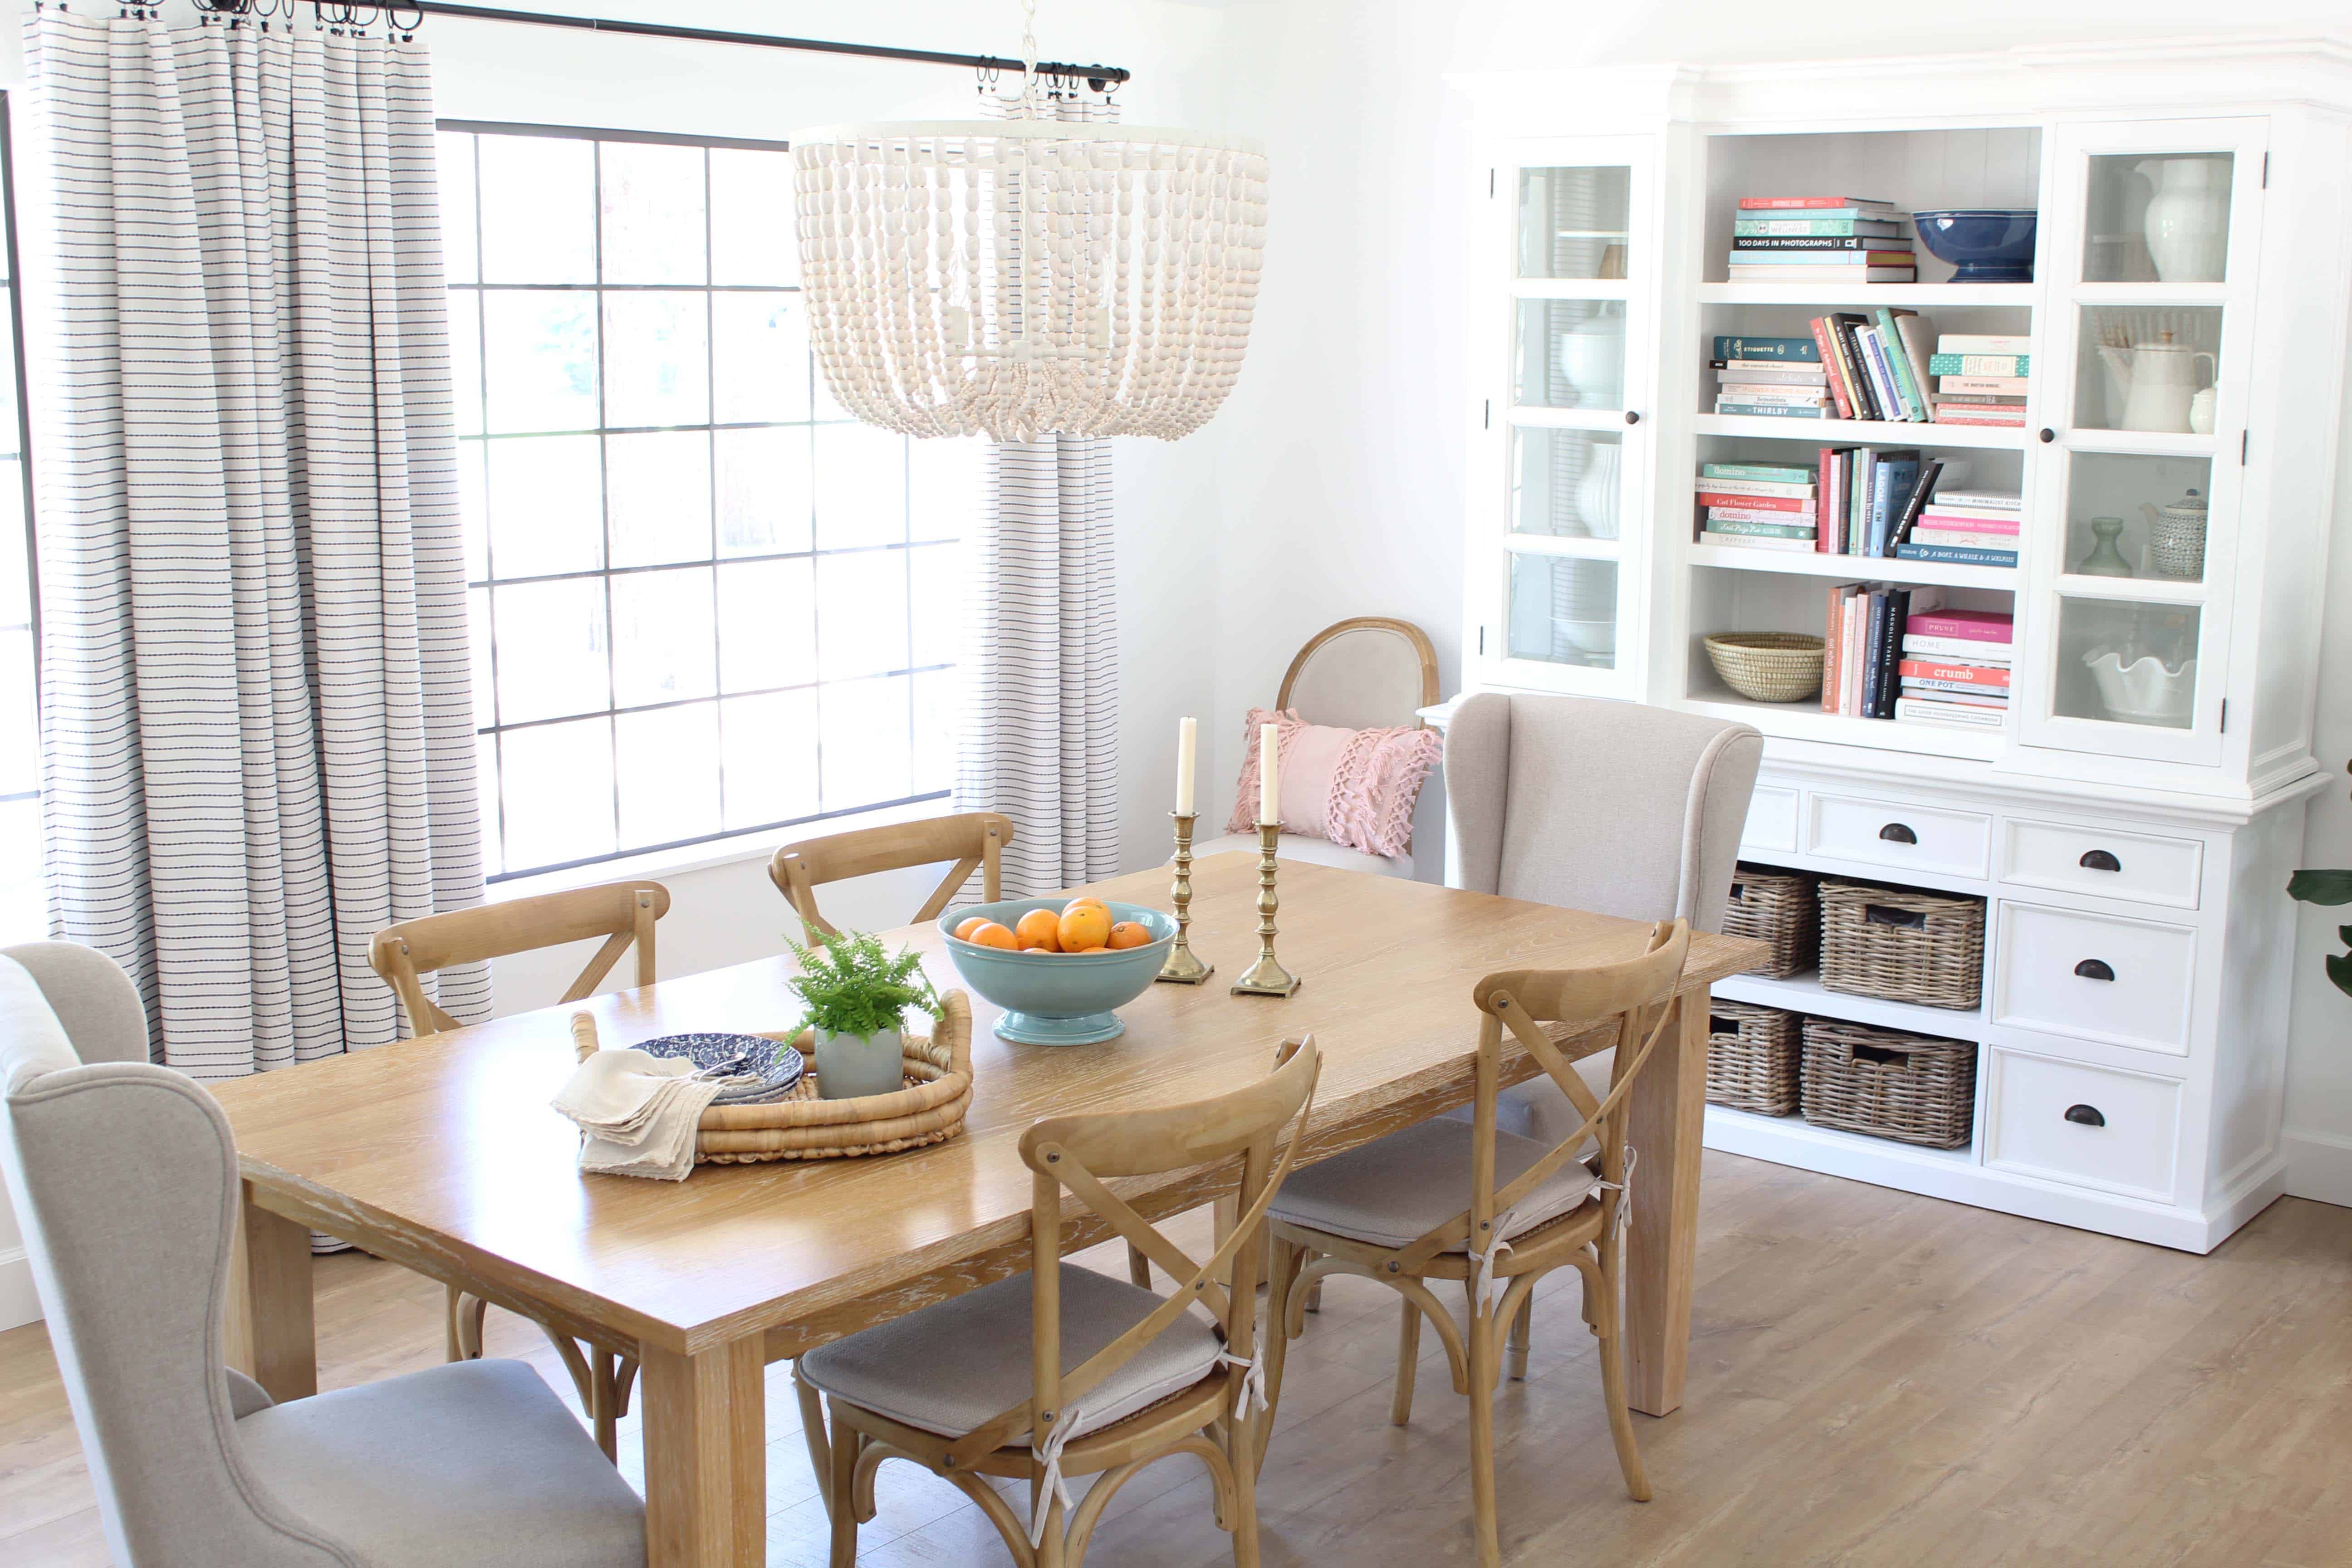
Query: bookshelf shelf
x=2132 y=590
x=1855 y=568
x=1878 y=296
x=1861 y=432
x=1805 y=994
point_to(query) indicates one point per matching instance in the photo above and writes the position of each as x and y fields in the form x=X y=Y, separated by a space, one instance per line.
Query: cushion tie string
x=1484 y=1284
x=1053 y=1486
x=1253 y=1391
x=1624 y=1190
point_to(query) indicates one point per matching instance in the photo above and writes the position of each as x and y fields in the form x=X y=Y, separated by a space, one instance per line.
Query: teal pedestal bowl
x=1059 y=998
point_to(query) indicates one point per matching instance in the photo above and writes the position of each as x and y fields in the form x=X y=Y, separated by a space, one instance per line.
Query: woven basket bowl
x=1768 y=667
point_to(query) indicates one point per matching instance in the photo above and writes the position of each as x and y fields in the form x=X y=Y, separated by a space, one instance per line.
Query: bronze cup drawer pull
x=1896 y=833
x=2099 y=861
x=2094 y=969
x=2086 y=1115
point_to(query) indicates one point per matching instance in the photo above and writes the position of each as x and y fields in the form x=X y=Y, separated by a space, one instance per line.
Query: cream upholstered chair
x=125 y=1181
x=1492 y=1211
x=1064 y=1372
x=1370 y=673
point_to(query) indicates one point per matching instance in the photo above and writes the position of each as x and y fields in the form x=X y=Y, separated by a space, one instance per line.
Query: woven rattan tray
x=930 y=1110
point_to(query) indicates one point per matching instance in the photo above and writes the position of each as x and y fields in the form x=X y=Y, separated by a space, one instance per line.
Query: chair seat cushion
x=1314 y=851
x=472 y=1462
x=959 y=1364
x=1395 y=1190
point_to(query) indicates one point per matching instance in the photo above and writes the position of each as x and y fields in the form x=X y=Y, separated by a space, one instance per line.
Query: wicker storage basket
x=1777 y=908
x=930 y=1110
x=1753 y=1056
x=1913 y=1088
x=1768 y=667
x=1902 y=945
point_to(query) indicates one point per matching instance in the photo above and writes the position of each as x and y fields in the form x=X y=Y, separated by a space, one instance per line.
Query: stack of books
x=1871 y=498
x=1757 y=505
x=1778 y=377
x=1812 y=239
x=1878 y=364
x=1980 y=380
x=1861 y=666
x=1966 y=528
x=1955 y=668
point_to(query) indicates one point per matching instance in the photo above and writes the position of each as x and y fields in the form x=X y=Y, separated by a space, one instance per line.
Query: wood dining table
x=443 y=1154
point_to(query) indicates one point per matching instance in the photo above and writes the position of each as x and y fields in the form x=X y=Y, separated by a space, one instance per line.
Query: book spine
x=1850 y=355
x=1965 y=628
x=1898 y=608
x=1952 y=555
x=1921 y=489
x=1947 y=414
x=1857 y=497
x=1980 y=364
x=1873 y=653
x=1924 y=644
x=1742 y=240
x=1898 y=364
x=1800 y=204
x=1980 y=344
x=1768 y=472
x=1808 y=411
x=1938 y=516
x=1833 y=649
x=2000 y=502
x=1954 y=674
x=1759 y=524
x=1729 y=347
x=1715 y=535
x=1882 y=505
x=1888 y=391
x=1960 y=717
x=1765 y=391
x=1824 y=489
x=1870 y=255
x=1911 y=331
x=1994 y=385
x=1836 y=377
x=1818 y=228
x=1952 y=691
x=1949 y=538
x=1771 y=492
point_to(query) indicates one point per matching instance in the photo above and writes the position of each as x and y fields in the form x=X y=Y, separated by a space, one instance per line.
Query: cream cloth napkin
x=637 y=1113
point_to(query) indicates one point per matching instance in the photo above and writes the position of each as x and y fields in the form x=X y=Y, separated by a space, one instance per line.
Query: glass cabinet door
x=1556 y=497
x=2150 y=253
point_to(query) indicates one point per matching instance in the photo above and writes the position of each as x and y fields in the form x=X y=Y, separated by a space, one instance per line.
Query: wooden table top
x=447 y=1145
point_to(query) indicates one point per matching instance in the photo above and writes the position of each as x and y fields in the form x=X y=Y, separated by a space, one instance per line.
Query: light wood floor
x=1876 y=1378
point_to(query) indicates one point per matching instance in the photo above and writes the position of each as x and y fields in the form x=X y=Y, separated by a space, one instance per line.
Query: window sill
x=656 y=864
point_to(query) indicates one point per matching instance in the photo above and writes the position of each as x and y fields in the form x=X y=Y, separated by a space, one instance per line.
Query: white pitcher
x=2188 y=223
x=2159 y=380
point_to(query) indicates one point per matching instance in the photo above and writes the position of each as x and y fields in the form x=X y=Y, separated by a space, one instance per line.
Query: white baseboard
x=19 y=1303
x=2318 y=1165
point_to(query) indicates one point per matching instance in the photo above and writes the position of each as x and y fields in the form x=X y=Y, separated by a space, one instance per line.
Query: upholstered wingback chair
x=125 y=1181
x=1608 y=806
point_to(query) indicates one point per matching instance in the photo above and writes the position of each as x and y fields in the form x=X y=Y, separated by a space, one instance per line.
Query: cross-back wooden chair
x=1068 y=1372
x=624 y=914
x=1384 y=1210
x=974 y=840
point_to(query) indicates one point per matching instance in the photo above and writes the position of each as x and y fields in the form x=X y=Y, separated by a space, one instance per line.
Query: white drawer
x=1900 y=837
x=2101 y=863
x=1771 y=819
x=2094 y=1127
x=2100 y=977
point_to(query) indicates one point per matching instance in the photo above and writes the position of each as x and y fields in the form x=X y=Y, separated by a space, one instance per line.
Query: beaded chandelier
x=1029 y=276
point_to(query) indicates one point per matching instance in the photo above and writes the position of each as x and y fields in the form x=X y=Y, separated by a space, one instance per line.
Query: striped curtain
x=256 y=710
x=1040 y=738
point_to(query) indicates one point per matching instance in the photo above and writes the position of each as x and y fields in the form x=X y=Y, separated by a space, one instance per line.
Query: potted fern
x=857 y=996
x=2328 y=887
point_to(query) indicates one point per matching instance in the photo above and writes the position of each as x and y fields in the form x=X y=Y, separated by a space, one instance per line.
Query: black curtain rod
x=1097 y=77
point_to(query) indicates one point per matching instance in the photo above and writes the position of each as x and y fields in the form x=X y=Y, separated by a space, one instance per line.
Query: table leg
x=706 y=1455
x=1669 y=1120
x=269 y=1335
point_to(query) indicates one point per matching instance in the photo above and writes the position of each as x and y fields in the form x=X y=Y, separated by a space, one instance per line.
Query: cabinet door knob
x=1896 y=833
x=2086 y=1115
x=2099 y=861
x=1632 y=417
x=2048 y=435
x=2094 y=969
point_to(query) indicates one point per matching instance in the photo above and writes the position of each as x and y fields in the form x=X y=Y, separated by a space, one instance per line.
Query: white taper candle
x=1269 y=775
x=1188 y=738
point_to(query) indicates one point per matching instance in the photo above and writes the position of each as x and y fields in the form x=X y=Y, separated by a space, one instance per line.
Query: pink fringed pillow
x=1354 y=787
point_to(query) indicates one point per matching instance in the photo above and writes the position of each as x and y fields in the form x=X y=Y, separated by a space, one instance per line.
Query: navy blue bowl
x=1988 y=245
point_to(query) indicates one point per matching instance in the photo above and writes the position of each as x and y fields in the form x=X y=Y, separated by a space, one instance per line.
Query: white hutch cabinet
x=2138 y=938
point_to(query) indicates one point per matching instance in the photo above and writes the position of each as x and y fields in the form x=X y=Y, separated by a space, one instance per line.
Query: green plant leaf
x=850 y=985
x=2344 y=934
x=2321 y=886
x=2340 y=970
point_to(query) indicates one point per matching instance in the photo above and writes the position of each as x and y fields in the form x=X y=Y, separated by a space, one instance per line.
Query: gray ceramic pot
x=849 y=1066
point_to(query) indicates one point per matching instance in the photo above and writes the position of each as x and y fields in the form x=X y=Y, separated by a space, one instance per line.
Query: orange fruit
x=1129 y=933
x=1086 y=900
x=1084 y=926
x=1082 y=952
x=965 y=928
x=988 y=933
x=1040 y=950
x=1040 y=928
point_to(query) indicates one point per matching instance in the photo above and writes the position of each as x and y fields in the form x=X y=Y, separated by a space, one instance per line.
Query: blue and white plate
x=777 y=1066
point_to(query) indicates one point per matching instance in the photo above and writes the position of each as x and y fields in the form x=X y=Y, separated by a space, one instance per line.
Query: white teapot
x=2159 y=380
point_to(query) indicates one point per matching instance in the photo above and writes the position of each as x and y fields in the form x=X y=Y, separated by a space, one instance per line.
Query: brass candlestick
x=1183 y=967
x=1266 y=977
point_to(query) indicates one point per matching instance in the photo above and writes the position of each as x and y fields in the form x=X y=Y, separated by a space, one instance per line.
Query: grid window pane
x=657 y=359
x=539 y=209
x=20 y=766
x=663 y=650
x=551 y=649
x=705 y=600
x=556 y=785
x=546 y=506
x=668 y=775
x=486 y=785
x=652 y=200
x=767 y=624
x=658 y=496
